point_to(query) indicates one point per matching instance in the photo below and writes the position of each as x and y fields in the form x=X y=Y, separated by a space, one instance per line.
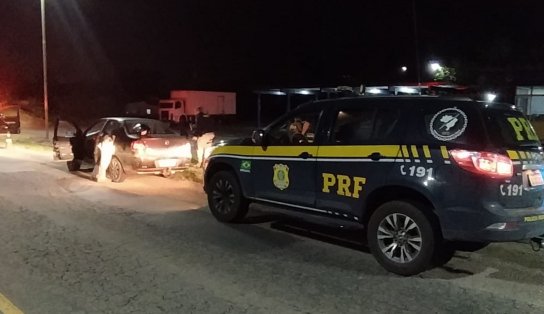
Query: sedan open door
x=65 y=135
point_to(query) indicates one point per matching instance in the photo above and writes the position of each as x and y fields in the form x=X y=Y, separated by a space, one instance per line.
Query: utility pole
x=416 y=44
x=44 y=57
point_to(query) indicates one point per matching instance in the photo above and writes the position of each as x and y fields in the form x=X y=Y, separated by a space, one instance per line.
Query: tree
x=445 y=74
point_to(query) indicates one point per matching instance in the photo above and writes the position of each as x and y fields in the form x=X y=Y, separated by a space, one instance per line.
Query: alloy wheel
x=399 y=238
x=115 y=170
x=223 y=196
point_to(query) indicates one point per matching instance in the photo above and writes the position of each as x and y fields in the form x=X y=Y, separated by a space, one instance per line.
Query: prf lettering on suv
x=422 y=175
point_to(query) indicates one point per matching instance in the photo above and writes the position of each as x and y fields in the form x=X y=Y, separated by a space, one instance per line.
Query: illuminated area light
x=407 y=90
x=490 y=96
x=374 y=90
x=434 y=66
x=304 y=92
x=404 y=69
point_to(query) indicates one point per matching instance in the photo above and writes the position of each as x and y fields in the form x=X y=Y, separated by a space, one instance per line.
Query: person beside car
x=203 y=135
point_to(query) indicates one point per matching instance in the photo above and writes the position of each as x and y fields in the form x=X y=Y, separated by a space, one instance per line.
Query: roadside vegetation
x=193 y=173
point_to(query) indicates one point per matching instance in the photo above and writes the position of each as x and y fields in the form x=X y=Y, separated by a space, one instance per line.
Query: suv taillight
x=489 y=164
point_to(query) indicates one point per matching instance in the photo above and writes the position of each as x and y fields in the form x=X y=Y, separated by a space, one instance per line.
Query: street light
x=490 y=97
x=44 y=60
x=404 y=69
x=434 y=66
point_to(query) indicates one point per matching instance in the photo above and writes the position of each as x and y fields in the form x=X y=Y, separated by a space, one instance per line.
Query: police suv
x=420 y=174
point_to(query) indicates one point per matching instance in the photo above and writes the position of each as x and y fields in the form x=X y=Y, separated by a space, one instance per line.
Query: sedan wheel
x=116 y=171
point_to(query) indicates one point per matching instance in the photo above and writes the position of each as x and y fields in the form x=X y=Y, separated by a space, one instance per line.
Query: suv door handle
x=305 y=155
x=375 y=156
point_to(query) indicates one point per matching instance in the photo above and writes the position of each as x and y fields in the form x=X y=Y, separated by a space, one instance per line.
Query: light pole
x=44 y=57
x=416 y=44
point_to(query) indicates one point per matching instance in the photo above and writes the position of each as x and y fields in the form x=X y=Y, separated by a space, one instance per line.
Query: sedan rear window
x=157 y=127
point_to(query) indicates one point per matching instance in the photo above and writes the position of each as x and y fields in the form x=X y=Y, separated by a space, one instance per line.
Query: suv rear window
x=510 y=129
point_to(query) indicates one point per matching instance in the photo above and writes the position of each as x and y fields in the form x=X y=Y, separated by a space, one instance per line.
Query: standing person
x=184 y=126
x=104 y=151
x=203 y=134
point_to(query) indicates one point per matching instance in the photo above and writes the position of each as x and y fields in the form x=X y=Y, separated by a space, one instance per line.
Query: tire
x=166 y=173
x=225 y=198
x=115 y=171
x=73 y=165
x=402 y=238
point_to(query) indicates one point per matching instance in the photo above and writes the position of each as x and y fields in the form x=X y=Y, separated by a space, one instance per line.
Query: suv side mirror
x=258 y=137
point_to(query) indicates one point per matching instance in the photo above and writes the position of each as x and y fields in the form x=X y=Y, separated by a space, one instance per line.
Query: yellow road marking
x=7 y=307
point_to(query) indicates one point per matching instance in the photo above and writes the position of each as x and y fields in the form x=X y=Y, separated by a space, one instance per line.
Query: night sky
x=144 y=48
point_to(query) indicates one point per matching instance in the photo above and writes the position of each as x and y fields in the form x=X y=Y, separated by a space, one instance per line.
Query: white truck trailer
x=185 y=102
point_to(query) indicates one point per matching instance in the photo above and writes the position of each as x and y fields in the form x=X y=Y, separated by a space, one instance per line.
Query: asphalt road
x=150 y=245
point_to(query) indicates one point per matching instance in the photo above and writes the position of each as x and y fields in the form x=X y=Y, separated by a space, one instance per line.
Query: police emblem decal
x=281 y=176
x=448 y=124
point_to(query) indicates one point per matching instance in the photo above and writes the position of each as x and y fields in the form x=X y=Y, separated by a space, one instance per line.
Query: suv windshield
x=510 y=129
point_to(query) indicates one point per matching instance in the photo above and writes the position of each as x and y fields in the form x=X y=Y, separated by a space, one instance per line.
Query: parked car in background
x=10 y=119
x=162 y=151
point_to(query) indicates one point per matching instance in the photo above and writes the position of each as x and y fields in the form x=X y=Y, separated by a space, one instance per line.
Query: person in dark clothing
x=184 y=126
x=202 y=123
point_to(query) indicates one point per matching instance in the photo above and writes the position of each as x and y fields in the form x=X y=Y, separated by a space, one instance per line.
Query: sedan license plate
x=166 y=163
x=535 y=178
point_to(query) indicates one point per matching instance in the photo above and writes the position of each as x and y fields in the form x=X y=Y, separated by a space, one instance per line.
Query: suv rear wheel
x=225 y=197
x=402 y=238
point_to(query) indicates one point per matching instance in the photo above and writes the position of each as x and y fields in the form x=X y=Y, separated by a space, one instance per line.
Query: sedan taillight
x=138 y=146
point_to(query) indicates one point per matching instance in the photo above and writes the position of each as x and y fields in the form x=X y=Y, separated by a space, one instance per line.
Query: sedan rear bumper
x=159 y=166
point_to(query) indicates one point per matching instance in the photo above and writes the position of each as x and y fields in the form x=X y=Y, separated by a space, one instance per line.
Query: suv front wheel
x=225 y=197
x=402 y=238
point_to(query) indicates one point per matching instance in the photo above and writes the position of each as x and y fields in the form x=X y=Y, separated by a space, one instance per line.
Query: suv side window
x=297 y=129
x=363 y=125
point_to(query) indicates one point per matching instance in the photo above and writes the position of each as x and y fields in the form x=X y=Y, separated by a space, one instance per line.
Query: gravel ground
x=149 y=245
